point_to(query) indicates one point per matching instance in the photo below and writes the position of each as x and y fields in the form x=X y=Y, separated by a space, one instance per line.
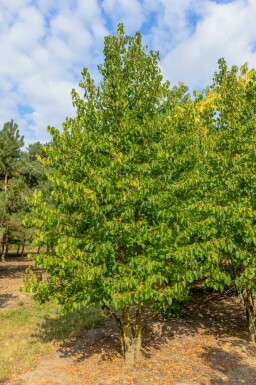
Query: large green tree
x=124 y=170
x=226 y=215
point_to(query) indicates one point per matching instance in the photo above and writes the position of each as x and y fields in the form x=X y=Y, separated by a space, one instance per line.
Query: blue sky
x=44 y=45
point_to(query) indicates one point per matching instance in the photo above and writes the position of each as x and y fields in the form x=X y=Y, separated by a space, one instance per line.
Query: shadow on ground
x=14 y=267
x=206 y=314
x=223 y=363
x=221 y=316
x=82 y=334
x=5 y=299
x=207 y=345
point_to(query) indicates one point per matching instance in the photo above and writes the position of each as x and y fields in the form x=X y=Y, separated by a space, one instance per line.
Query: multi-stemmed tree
x=226 y=215
x=124 y=171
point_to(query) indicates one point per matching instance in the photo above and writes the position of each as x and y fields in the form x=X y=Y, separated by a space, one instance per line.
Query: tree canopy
x=152 y=190
x=11 y=143
x=20 y=173
x=227 y=212
x=123 y=169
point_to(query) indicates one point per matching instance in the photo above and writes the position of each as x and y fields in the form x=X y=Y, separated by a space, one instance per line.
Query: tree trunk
x=128 y=338
x=131 y=336
x=2 y=245
x=130 y=333
x=6 y=182
x=23 y=246
x=138 y=330
x=18 y=248
x=250 y=309
x=4 y=250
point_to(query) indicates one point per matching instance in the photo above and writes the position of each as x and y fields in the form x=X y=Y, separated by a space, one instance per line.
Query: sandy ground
x=12 y=273
x=208 y=345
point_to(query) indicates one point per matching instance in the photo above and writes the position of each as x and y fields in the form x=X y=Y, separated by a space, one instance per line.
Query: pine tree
x=11 y=143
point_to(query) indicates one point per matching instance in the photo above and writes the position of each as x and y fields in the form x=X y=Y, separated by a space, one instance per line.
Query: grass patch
x=63 y=327
x=30 y=331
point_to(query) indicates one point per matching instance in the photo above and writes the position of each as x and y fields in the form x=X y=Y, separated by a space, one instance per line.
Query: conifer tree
x=11 y=143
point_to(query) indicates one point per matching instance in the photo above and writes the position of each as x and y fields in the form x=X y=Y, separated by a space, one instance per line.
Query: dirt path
x=206 y=346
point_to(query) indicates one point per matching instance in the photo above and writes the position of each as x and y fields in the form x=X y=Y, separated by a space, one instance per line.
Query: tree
x=20 y=173
x=33 y=170
x=10 y=153
x=10 y=150
x=226 y=214
x=124 y=170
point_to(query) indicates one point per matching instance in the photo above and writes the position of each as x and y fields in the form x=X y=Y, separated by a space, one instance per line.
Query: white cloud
x=129 y=12
x=173 y=22
x=22 y=38
x=44 y=44
x=226 y=30
x=43 y=47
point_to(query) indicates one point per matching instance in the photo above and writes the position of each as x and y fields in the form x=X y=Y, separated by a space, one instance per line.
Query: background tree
x=10 y=154
x=10 y=150
x=34 y=169
x=20 y=173
x=226 y=215
x=123 y=171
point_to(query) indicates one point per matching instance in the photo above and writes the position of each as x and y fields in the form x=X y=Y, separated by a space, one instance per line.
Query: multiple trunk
x=22 y=244
x=4 y=243
x=131 y=336
x=130 y=333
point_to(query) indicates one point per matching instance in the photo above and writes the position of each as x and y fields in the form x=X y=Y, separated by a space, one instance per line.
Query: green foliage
x=33 y=171
x=226 y=215
x=10 y=149
x=124 y=171
x=12 y=186
x=147 y=190
x=151 y=190
x=13 y=205
x=169 y=309
x=20 y=173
